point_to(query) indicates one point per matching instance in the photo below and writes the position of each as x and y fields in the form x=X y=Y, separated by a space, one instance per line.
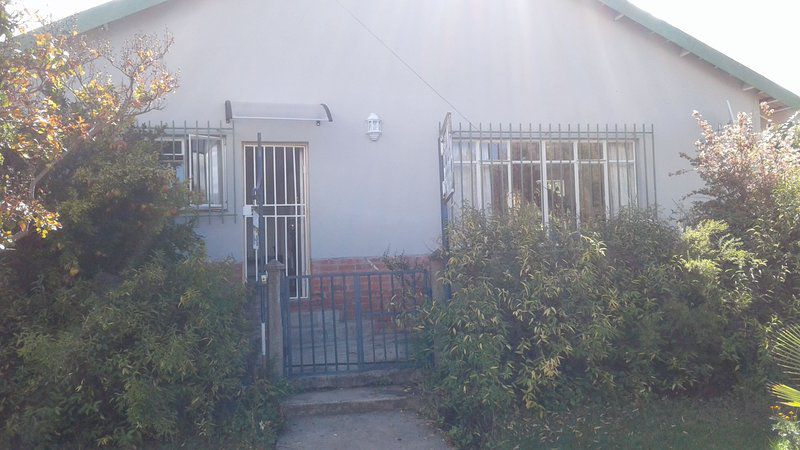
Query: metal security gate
x=276 y=209
x=351 y=322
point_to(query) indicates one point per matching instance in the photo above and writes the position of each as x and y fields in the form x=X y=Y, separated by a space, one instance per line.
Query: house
x=349 y=127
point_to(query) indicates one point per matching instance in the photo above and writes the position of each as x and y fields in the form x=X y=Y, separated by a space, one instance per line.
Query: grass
x=730 y=422
x=734 y=421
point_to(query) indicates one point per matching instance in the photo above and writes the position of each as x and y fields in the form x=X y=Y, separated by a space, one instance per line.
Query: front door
x=280 y=229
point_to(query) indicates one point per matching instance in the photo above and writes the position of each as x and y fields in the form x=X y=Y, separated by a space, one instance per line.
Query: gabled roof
x=768 y=90
x=751 y=78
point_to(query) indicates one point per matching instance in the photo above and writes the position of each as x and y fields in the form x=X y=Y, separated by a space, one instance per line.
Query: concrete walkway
x=367 y=431
x=357 y=418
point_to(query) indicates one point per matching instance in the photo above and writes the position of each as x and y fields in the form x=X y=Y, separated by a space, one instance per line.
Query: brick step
x=358 y=400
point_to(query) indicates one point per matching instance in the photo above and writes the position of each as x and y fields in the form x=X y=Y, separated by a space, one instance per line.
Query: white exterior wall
x=509 y=61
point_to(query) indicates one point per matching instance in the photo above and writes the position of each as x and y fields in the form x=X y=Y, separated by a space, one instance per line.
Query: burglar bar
x=575 y=172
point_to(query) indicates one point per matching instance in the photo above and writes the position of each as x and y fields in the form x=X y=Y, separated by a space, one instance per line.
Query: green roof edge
x=705 y=52
x=105 y=13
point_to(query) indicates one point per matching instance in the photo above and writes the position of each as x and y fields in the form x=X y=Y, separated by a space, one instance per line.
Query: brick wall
x=362 y=264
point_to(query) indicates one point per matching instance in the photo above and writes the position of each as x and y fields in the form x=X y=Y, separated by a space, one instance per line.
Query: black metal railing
x=351 y=321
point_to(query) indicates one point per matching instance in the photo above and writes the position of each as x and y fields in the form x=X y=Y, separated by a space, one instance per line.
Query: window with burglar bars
x=280 y=229
x=572 y=173
x=198 y=161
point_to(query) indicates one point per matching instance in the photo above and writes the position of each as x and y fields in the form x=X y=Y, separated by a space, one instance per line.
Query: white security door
x=279 y=230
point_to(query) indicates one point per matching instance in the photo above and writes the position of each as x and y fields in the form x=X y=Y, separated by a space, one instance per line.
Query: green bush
x=543 y=321
x=775 y=238
x=116 y=329
x=752 y=183
x=161 y=356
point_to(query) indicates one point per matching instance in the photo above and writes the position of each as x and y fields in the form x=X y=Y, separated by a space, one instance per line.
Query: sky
x=759 y=34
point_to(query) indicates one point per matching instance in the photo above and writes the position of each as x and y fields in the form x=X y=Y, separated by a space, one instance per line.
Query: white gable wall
x=509 y=61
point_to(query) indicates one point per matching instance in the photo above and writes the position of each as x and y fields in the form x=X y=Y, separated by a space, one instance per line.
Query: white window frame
x=477 y=163
x=185 y=143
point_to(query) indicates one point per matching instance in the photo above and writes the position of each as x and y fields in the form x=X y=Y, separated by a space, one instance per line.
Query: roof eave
x=104 y=14
x=710 y=55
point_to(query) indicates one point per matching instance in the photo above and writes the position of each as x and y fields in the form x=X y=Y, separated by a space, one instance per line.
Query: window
x=198 y=162
x=583 y=179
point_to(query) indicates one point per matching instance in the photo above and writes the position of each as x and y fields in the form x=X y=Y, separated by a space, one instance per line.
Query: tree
x=56 y=96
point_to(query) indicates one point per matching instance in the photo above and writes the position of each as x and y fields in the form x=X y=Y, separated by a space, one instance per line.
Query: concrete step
x=348 y=401
x=372 y=378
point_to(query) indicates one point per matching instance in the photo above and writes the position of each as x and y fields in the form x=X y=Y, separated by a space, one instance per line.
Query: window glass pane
x=199 y=170
x=622 y=151
x=622 y=189
x=621 y=175
x=590 y=150
x=458 y=180
x=171 y=150
x=465 y=178
x=172 y=153
x=495 y=150
x=463 y=150
x=592 y=190
x=214 y=172
x=495 y=188
x=525 y=151
x=559 y=151
x=205 y=170
x=526 y=184
x=248 y=174
x=560 y=186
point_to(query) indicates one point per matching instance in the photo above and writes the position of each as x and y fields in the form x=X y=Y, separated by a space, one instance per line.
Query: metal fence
x=574 y=172
x=351 y=322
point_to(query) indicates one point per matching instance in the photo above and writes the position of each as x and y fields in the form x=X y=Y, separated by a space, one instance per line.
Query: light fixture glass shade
x=374 y=127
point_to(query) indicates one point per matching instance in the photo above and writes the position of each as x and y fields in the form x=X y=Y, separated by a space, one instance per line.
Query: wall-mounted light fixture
x=374 y=127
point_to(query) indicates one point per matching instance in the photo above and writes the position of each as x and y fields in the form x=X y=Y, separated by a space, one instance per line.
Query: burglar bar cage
x=576 y=173
x=200 y=154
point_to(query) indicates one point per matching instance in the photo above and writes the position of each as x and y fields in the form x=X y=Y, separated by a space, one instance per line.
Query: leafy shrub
x=624 y=310
x=752 y=183
x=162 y=355
x=117 y=331
x=741 y=168
x=775 y=238
x=543 y=321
